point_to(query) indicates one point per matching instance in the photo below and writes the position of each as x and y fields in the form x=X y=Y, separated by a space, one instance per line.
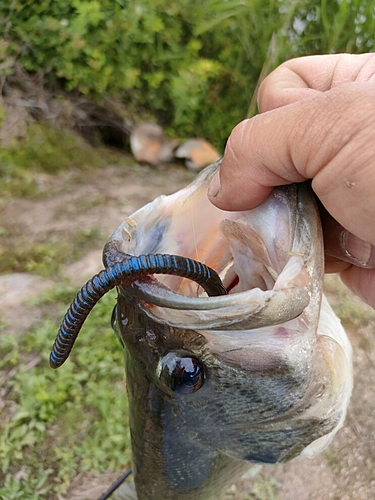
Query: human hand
x=316 y=121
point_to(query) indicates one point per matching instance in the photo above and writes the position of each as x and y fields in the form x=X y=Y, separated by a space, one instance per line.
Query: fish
x=216 y=384
x=258 y=372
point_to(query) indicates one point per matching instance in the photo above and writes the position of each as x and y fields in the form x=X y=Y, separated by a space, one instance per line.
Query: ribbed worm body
x=127 y=270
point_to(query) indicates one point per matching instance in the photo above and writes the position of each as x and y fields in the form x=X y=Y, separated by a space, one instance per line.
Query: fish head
x=262 y=374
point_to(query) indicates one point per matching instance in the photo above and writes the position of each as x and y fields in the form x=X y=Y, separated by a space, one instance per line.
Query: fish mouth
x=270 y=258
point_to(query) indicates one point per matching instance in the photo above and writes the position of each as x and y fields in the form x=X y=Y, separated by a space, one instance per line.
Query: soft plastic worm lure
x=122 y=273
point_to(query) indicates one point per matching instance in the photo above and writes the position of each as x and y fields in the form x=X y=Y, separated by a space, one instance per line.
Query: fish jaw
x=277 y=362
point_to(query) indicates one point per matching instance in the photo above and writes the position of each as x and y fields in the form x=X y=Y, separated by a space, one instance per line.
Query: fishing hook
x=123 y=273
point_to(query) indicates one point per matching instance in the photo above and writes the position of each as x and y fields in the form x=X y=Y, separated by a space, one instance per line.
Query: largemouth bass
x=260 y=375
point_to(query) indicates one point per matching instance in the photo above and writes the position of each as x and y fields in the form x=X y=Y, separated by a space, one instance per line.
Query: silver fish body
x=261 y=375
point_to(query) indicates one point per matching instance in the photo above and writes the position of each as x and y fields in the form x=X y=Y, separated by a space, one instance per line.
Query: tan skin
x=316 y=121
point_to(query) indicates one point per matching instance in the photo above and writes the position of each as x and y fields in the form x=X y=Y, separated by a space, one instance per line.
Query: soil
x=101 y=200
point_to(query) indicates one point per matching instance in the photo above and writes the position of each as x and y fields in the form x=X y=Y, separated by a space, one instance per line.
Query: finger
x=245 y=179
x=361 y=282
x=329 y=138
x=332 y=265
x=306 y=77
x=296 y=80
x=342 y=247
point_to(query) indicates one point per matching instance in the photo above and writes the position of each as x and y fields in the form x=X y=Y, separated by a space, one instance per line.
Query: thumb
x=328 y=138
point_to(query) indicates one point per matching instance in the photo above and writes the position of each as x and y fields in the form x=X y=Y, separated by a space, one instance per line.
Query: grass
x=334 y=459
x=55 y=424
x=47 y=256
x=265 y=488
x=43 y=258
x=46 y=151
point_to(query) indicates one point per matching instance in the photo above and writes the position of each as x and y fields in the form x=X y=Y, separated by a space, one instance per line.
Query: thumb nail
x=215 y=186
x=358 y=249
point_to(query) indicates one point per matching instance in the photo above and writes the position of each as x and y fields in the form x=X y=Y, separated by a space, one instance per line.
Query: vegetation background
x=75 y=70
x=192 y=64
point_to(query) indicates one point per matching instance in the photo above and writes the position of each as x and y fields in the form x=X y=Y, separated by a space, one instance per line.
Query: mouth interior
x=233 y=284
x=247 y=249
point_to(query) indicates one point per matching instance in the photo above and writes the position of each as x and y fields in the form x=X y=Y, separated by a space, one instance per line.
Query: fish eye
x=182 y=372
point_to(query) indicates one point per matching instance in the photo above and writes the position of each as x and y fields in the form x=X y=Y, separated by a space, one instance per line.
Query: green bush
x=194 y=64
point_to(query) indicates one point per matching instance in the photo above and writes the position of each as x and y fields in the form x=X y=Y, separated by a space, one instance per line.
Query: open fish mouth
x=278 y=363
x=267 y=258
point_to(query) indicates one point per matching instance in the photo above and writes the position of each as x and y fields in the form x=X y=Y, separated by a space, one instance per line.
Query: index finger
x=305 y=77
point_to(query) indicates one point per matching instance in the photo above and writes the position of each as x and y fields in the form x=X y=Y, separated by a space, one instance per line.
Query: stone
x=198 y=153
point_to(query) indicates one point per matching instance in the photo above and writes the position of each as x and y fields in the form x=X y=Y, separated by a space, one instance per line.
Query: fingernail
x=215 y=186
x=357 y=248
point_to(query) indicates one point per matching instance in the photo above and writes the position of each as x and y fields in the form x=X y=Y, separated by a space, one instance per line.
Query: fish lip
x=245 y=310
x=159 y=295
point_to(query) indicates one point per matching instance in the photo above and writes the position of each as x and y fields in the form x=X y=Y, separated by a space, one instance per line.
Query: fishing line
x=124 y=273
x=194 y=234
x=115 y=485
x=194 y=240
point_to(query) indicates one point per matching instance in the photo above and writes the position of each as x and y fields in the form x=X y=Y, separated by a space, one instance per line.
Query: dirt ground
x=102 y=200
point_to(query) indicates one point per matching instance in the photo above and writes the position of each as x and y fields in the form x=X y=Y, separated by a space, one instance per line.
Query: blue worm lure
x=121 y=273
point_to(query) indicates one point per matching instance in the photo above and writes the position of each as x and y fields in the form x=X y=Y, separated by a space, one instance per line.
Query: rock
x=125 y=492
x=149 y=144
x=198 y=153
